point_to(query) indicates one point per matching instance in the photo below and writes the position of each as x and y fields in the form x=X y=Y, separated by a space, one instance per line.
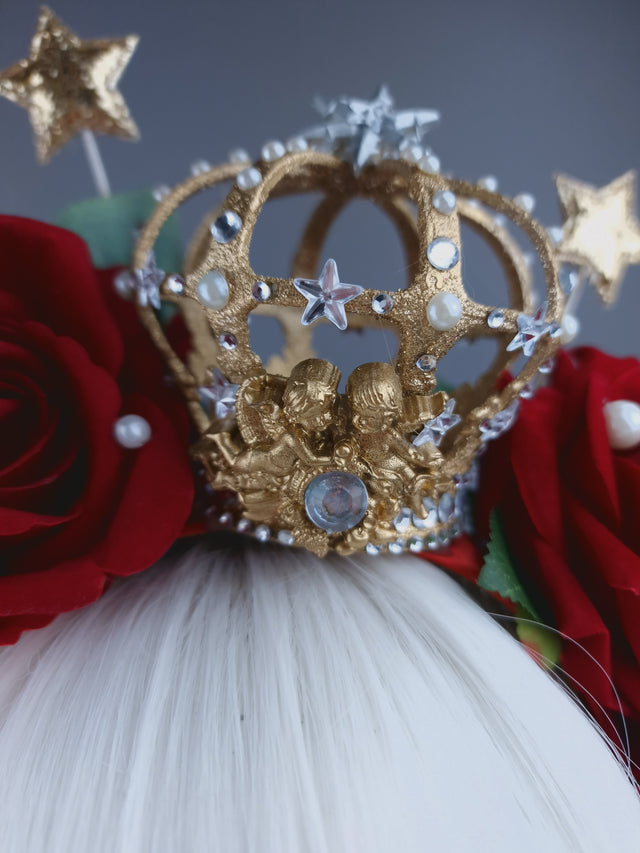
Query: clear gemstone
x=427 y=363
x=286 y=537
x=547 y=366
x=199 y=167
x=297 y=144
x=219 y=397
x=382 y=303
x=175 y=284
x=132 y=431
x=402 y=521
x=261 y=291
x=525 y=201
x=495 y=319
x=244 y=526
x=527 y=392
x=226 y=227
x=415 y=544
x=372 y=550
x=489 y=182
x=124 y=284
x=336 y=501
x=160 y=192
x=432 y=542
x=443 y=254
x=494 y=427
x=262 y=534
x=568 y=276
x=413 y=154
x=226 y=519
x=431 y=515
x=396 y=547
x=239 y=155
x=228 y=341
x=430 y=164
x=273 y=150
x=213 y=290
x=249 y=178
x=446 y=507
x=444 y=201
x=444 y=311
x=555 y=234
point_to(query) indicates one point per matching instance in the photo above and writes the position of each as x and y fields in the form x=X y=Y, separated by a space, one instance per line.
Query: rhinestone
x=527 y=392
x=444 y=201
x=131 y=431
x=396 y=547
x=402 y=521
x=262 y=534
x=213 y=290
x=298 y=143
x=199 y=167
x=226 y=519
x=372 y=550
x=431 y=517
x=446 y=507
x=286 y=537
x=444 y=311
x=261 y=291
x=382 y=303
x=432 y=542
x=413 y=154
x=443 y=254
x=427 y=363
x=489 y=182
x=226 y=227
x=430 y=164
x=569 y=328
x=568 y=276
x=495 y=319
x=160 y=192
x=175 y=284
x=415 y=544
x=547 y=366
x=228 y=341
x=336 y=501
x=124 y=284
x=273 y=150
x=244 y=526
x=239 y=155
x=249 y=178
x=525 y=201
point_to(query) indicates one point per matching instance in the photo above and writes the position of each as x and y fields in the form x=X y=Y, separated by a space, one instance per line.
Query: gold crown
x=386 y=464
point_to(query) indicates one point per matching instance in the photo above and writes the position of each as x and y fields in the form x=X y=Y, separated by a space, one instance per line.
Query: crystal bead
x=413 y=154
x=402 y=521
x=336 y=501
x=443 y=254
x=199 y=167
x=226 y=519
x=124 y=284
x=228 y=341
x=244 y=526
x=432 y=542
x=430 y=164
x=495 y=319
x=286 y=537
x=427 y=363
x=415 y=544
x=262 y=533
x=273 y=150
x=547 y=366
x=372 y=550
x=261 y=291
x=160 y=192
x=213 y=290
x=446 y=507
x=175 y=284
x=527 y=391
x=444 y=201
x=489 y=182
x=131 y=431
x=226 y=227
x=297 y=144
x=526 y=202
x=249 y=178
x=382 y=303
x=444 y=311
x=396 y=547
x=431 y=518
x=239 y=155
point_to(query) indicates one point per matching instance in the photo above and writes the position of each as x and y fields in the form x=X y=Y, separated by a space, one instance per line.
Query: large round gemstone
x=336 y=501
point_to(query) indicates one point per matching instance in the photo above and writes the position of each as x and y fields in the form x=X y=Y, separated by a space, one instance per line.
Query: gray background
x=525 y=90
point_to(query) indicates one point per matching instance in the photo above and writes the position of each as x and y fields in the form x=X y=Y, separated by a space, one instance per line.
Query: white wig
x=249 y=700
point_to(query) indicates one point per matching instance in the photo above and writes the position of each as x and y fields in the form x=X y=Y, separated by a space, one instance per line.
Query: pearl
x=160 y=192
x=444 y=201
x=199 y=167
x=444 y=311
x=124 y=284
x=239 y=155
x=622 y=420
x=213 y=290
x=569 y=328
x=131 y=431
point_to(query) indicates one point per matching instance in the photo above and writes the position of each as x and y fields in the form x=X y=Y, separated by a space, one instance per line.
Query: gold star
x=69 y=85
x=600 y=229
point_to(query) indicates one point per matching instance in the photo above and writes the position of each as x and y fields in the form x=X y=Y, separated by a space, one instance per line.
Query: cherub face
x=309 y=404
x=368 y=420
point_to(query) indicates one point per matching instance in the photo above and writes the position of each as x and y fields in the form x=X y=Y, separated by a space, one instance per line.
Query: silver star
x=327 y=296
x=504 y=420
x=219 y=396
x=358 y=130
x=436 y=429
x=530 y=330
x=148 y=281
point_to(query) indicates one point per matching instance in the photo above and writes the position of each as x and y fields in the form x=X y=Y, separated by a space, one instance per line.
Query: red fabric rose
x=76 y=508
x=569 y=508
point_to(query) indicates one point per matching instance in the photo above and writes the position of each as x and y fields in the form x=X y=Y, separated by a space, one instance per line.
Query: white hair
x=267 y=701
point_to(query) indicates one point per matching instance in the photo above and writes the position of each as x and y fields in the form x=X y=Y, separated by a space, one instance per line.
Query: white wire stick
x=95 y=164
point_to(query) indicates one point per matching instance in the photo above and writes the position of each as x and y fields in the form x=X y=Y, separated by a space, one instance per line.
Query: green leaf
x=543 y=641
x=498 y=573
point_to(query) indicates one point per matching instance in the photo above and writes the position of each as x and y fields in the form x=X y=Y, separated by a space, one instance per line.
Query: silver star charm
x=530 y=330
x=219 y=397
x=327 y=296
x=148 y=281
x=359 y=130
x=436 y=429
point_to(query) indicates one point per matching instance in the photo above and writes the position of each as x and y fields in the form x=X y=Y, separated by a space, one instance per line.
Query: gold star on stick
x=600 y=229
x=69 y=85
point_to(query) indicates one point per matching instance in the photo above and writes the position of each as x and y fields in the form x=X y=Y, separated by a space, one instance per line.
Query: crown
x=387 y=463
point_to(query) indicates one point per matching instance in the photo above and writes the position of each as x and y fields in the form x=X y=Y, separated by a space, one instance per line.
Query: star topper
x=600 y=229
x=326 y=296
x=68 y=85
x=359 y=130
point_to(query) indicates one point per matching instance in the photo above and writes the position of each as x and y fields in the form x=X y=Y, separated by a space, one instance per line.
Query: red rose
x=569 y=507
x=75 y=507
